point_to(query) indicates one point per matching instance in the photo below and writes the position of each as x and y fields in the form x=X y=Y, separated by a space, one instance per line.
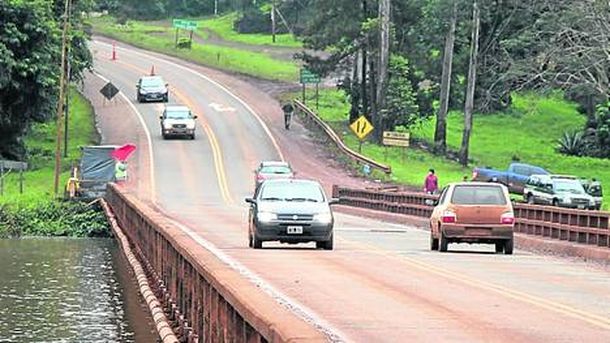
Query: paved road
x=381 y=283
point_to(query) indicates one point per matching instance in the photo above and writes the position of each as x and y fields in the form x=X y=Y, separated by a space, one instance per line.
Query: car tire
x=164 y=136
x=555 y=202
x=192 y=137
x=443 y=242
x=499 y=247
x=530 y=199
x=256 y=243
x=250 y=243
x=508 y=247
x=166 y=98
x=326 y=245
x=433 y=242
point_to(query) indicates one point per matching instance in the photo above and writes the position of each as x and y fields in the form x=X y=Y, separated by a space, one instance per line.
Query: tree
x=400 y=107
x=470 y=89
x=440 y=133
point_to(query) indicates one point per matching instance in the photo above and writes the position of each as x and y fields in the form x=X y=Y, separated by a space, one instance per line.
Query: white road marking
x=222 y=108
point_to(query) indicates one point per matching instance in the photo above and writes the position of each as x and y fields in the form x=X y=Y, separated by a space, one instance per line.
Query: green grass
x=528 y=131
x=223 y=27
x=161 y=39
x=40 y=142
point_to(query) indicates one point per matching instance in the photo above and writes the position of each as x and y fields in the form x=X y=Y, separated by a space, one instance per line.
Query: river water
x=69 y=290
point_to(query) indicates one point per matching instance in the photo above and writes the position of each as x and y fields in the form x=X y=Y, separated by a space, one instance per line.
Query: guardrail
x=206 y=299
x=330 y=133
x=581 y=226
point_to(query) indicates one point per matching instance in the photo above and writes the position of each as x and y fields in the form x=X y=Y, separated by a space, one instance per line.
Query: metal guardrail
x=206 y=299
x=313 y=117
x=581 y=226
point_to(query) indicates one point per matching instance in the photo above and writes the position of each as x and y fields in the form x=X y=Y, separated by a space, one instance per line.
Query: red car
x=473 y=212
x=272 y=170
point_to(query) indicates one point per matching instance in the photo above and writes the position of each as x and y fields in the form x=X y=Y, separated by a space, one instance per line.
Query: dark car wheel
x=256 y=242
x=326 y=245
x=193 y=136
x=444 y=243
x=166 y=98
x=499 y=247
x=530 y=199
x=139 y=98
x=433 y=242
x=555 y=202
x=508 y=247
x=250 y=240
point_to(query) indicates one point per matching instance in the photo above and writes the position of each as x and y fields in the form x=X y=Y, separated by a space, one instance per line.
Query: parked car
x=177 y=121
x=268 y=170
x=594 y=189
x=290 y=211
x=152 y=88
x=514 y=178
x=473 y=212
x=557 y=190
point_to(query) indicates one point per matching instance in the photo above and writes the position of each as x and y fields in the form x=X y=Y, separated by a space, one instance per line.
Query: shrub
x=183 y=43
x=572 y=143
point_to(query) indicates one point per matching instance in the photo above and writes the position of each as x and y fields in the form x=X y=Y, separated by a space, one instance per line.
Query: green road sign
x=307 y=76
x=184 y=24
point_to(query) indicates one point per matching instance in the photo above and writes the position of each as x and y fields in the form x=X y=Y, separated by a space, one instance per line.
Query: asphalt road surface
x=381 y=283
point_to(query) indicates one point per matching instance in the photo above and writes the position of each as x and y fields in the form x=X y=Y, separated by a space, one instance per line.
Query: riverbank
x=36 y=211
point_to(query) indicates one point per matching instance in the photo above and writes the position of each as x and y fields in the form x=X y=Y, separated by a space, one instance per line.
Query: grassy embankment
x=223 y=27
x=161 y=39
x=35 y=212
x=528 y=132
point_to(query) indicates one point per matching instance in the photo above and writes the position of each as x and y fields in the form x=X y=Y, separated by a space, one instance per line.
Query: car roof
x=274 y=163
x=475 y=183
x=177 y=108
x=292 y=181
x=148 y=77
x=554 y=176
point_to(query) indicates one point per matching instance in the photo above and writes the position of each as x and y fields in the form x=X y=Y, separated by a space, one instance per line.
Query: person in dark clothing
x=288 y=110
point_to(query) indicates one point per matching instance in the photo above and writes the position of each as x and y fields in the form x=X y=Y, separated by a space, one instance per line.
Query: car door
x=438 y=211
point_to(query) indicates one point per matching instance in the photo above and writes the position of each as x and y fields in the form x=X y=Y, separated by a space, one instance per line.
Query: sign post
x=361 y=127
x=188 y=25
x=399 y=139
x=306 y=76
x=12 y=165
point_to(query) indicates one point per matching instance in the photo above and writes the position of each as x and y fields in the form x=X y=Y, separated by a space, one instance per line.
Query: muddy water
x=69 y=290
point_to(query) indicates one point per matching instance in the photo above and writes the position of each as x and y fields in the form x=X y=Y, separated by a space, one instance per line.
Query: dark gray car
x=152 y=88
x=290 y=211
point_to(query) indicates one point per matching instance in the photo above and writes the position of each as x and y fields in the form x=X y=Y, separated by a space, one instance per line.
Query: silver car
x=177 y=121
x=290 y=211
x=557 y=190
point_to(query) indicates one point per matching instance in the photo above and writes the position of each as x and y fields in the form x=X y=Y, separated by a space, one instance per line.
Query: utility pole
x=67 y=88
x=273 y=21
x=384 y=58
x=60 y=102
x=472 y=80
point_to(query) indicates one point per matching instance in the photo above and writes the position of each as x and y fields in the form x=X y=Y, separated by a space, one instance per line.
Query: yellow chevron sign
x=361 y=127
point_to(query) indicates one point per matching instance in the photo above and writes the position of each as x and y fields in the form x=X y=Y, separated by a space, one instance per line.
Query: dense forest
x=401 y=61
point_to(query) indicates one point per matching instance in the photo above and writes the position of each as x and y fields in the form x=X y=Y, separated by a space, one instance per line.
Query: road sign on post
x=109 y=91
x=307 y=76
x=393 y=138
x=361 y=128
x=188 y=25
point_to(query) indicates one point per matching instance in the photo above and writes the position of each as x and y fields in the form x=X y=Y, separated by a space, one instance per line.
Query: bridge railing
x=582 y=226
x=330 y=133
x=209 y=301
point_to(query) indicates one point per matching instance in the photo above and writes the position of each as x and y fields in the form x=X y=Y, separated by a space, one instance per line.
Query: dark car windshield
x=293 y=191
x=275 y=170
x=179 y=114
x=568 y=186
x=152 y=82
x=478 y=195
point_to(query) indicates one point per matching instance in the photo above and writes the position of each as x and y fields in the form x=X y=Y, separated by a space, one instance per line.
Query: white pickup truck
x=177 y=121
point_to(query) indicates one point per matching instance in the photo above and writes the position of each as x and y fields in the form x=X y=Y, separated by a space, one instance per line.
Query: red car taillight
x=507 y=218
x=260 y=177
x=448 y=217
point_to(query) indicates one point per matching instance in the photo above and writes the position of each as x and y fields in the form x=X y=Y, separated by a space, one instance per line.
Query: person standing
x=120 y=171
x=431 y=182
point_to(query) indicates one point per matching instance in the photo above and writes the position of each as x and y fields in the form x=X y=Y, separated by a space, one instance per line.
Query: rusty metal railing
x=328 y=131
x=581 y=226
x=205 y=299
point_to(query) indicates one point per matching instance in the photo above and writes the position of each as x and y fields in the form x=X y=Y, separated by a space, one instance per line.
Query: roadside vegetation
x=223 y=26
x=36 y=212
x=529 y=132
x=160 y=38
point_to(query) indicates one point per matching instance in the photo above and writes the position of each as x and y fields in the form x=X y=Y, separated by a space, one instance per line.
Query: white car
x=177 y=121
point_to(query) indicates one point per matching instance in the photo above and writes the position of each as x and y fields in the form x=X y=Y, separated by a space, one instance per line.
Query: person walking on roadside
x=120 y=171
x=288 y=110
x=431 y=182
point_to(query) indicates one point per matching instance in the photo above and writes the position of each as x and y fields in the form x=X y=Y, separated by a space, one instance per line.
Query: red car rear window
x=478 y=195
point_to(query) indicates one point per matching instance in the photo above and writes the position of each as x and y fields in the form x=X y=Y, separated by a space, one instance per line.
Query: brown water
x=69 y=290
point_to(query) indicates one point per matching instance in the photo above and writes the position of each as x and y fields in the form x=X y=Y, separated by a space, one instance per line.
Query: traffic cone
x=152 y=70
x=114 y=51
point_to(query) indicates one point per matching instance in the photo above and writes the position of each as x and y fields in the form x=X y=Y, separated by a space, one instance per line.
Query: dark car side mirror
x=334 y=201
x=161 y=117
x=167 y=85
x=250 y=201
x=194 y=117
x=137 y=85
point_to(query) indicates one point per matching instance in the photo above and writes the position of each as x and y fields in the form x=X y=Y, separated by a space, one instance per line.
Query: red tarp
x=123 y=153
